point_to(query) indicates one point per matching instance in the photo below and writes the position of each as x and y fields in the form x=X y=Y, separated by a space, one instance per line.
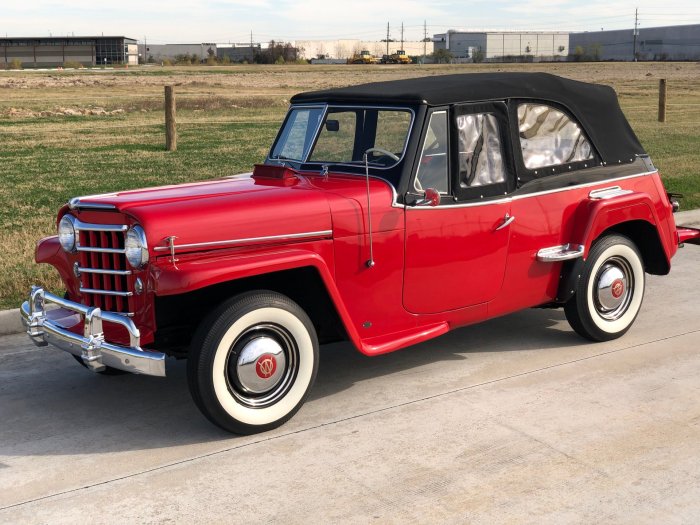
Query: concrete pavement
x=514 y=420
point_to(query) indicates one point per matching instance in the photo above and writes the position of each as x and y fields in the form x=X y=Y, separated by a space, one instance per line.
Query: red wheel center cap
x=266 y=366
x=618 y=288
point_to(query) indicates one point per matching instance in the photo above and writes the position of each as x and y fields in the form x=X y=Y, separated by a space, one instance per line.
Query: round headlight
x=66 y=233
x=136 y=247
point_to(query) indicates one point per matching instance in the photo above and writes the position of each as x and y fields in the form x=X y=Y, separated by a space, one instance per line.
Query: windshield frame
x=326 y=106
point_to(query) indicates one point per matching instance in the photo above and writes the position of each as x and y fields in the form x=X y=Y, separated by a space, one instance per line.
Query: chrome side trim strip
x=104 y=272
x=100 y=250
x=249 y=240
x=608 y=193
x=563 y=252
x=105 y=292
x=525 y=196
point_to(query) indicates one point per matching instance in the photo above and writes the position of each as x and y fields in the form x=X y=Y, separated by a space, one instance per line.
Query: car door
x=554 y=156
x=455 y=252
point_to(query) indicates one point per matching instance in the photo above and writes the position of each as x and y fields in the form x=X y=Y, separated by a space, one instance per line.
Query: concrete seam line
x=335 y=422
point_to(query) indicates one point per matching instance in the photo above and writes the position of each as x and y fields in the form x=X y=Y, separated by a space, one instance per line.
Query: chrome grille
x=102 y=267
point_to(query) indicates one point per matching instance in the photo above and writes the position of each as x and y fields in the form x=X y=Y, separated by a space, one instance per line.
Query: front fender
x=216 y=268
x=49 y=251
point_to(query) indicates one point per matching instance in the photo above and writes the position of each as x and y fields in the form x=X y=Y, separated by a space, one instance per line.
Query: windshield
x=344 y=135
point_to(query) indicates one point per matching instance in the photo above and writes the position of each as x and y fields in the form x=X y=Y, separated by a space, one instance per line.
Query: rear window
x=549 y=137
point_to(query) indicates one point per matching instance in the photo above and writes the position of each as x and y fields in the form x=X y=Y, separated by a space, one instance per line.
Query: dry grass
x=70 y=133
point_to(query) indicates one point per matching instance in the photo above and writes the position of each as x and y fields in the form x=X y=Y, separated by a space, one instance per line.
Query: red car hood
x=246 y=207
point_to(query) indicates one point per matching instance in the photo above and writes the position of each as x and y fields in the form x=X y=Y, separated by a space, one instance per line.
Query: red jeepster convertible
x=385 y=214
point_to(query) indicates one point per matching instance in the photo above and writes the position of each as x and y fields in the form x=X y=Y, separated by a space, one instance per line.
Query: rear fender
x=596 y=216
x=631 y=214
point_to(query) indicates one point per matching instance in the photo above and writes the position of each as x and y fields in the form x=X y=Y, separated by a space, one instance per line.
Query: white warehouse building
x=495 y=46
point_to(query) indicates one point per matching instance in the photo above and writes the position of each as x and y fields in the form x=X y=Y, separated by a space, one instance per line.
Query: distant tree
x=277 y=53
x=442 y=56
x=595 y=51
x=340 y=51
x=478 y=56
x=579 y=54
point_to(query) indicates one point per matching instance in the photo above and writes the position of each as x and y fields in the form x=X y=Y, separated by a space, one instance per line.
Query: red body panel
x=435 y=269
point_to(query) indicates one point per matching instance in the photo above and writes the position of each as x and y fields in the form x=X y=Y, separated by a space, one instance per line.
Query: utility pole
x=425 y=39
x=145 y=50
x=634 y=35
x=387 y=39
x=402 y=35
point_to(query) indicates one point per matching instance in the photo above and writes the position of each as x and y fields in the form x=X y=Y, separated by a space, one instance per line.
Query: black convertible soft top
x=594 y=105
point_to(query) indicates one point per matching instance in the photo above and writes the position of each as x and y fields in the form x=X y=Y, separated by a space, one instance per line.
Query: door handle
x=506 y=221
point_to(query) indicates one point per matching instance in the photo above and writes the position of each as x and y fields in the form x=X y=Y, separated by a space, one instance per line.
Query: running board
x=688 y=235
x=563 y=252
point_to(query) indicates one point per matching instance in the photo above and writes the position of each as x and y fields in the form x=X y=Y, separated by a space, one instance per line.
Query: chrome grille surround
x=104 y=274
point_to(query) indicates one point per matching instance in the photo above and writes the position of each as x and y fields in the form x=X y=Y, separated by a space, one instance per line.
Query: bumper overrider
x=51 y=326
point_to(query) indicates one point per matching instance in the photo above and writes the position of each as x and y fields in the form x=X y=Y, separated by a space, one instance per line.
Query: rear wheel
x=252 y=362
x=610 y=291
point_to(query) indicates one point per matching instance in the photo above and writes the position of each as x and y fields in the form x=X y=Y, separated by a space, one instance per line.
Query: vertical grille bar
x=106 y=279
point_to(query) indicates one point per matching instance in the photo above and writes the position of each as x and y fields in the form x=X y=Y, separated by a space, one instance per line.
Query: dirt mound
x=61 y=112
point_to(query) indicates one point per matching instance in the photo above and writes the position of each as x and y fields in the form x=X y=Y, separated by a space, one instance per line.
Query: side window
x=392 y=130
x=336 y=141
x=548 y=137
x=480 y=152
x=432 y=169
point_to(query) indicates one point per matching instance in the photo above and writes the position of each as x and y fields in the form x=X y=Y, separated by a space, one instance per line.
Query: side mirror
x=332 y=125
x=431 y=197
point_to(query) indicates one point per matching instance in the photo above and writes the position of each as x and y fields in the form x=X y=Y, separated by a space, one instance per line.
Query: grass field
x=67 y=133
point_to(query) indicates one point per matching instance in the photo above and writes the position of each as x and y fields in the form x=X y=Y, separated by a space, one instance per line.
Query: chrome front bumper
x=51 y=326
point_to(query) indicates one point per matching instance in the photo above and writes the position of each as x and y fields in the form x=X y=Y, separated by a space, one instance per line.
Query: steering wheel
x=385 y=153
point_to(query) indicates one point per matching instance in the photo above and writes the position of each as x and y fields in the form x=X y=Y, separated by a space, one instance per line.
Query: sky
x=220 y=21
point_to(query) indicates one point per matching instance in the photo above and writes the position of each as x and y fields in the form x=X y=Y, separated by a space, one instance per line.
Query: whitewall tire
x=610 y=291
x=252 y=362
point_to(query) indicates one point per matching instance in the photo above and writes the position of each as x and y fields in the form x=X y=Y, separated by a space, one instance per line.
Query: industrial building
x=653 y=43
x=496 y=46
x=159 y=52
x=56 y=51
x=343 y=49
x=238 y=52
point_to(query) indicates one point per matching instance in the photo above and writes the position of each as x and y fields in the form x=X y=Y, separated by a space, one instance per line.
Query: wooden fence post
x=170 y=129
x=662 y=100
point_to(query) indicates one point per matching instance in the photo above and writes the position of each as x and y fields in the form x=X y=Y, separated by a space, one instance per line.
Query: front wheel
x=609 y=293
x=252 y=362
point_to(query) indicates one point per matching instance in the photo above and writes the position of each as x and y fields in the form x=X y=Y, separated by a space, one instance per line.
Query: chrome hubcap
x=261 y=365
x=614 y=285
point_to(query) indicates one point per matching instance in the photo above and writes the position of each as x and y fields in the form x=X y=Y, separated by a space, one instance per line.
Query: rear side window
x=548 y=137
x=480 y=150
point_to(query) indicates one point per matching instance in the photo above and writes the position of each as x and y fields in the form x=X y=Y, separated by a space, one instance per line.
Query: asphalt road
x=515 y=420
